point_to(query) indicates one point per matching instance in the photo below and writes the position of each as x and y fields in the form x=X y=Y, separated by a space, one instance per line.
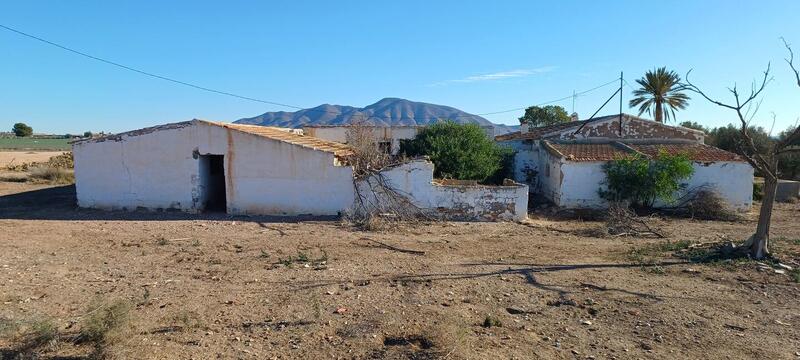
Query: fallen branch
x=394 y=248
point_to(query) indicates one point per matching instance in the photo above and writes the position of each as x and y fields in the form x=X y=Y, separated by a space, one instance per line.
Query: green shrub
x=458 y=151
x=642 y=181
x=758 y=191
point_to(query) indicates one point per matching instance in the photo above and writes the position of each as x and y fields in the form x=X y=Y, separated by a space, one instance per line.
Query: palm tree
x=660 y=94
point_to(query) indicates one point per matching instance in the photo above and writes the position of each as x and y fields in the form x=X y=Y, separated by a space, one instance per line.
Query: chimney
x=574 y=117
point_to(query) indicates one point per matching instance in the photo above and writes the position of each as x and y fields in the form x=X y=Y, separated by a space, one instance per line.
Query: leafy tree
x=660 y=94
x=789 y=162
x=458 y=151
x=87 y=134
x=729 y=138
x=642 y=181
x=21 y=129
x=543 y=116
x=695 y=126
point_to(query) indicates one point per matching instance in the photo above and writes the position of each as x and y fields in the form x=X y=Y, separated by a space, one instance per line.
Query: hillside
x=386 y=112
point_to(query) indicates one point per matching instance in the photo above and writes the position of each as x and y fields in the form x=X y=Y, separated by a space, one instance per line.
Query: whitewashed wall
x=159 y=170
x=577 y=184
x=467 y=202
x=731 y=180
x=526 y=162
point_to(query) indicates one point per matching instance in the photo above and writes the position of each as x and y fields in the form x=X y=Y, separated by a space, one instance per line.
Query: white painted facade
x=168 y=167
x=160 y=169
x=577 y=185
x=463 y=202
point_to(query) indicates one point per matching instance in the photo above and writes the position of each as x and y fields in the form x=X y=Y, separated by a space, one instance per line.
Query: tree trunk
x=659 y=112
x=759 y=242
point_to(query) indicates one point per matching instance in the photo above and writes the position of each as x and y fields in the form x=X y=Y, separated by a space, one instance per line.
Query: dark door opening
x=212 y=175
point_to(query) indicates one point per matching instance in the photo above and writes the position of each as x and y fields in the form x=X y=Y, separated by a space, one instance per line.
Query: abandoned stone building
x=198 y=166
x=564 y=162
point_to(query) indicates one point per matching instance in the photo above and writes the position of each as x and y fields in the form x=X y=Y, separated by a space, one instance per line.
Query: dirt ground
x=19 y=157
x=213 y=286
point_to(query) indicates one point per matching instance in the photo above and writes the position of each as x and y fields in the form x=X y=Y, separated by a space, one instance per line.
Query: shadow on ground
x=59 y=203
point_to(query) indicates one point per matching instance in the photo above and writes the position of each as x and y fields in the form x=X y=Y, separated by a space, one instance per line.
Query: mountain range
x=386 y=112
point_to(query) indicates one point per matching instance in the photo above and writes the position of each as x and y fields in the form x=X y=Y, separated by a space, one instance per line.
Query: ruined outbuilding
x=197 y=166
x=564 y=162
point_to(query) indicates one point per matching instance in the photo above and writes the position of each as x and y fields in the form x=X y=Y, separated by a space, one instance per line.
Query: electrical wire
x=226 y=93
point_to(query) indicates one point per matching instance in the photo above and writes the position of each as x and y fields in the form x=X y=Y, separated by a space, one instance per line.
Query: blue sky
x=477 y=56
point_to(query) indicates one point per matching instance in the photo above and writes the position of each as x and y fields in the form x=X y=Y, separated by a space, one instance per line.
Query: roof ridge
x=274 y=133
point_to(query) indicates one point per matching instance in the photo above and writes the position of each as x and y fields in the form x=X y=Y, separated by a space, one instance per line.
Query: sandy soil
x=19 y=157
x=212 y=286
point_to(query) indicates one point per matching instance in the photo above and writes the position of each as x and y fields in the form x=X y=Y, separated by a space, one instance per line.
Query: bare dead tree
x=367 y=156
x=757 y=246
x=377 y=200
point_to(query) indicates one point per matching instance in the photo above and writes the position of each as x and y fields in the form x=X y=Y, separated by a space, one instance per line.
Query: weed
x=657 y=269
x=8 y=327
x=491 y=321
x=646 y=254
x=105 y=325
x=36 y=336
x=195 y=243
x=162 y=241
x=264 y=254
x=187 y=320
x=302 y=257
x=286 y=262
x=795 y=275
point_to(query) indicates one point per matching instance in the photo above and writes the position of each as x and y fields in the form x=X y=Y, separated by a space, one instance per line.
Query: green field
x=27 y=143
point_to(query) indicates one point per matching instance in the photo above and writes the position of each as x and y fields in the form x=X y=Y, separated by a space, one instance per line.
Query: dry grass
x=52 y=175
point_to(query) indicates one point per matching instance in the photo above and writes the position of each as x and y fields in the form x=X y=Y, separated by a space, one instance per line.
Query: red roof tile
x=696 y=152
x=590 y=152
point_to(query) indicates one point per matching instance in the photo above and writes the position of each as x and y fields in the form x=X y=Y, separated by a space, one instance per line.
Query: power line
x=226 y=93
x=554 y=101
x=145 y=72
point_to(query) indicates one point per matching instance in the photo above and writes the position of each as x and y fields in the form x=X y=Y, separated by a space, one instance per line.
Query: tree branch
x=790 y=60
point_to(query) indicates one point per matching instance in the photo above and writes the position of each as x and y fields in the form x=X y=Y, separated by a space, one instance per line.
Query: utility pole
x=573 y=101
x=620 y=104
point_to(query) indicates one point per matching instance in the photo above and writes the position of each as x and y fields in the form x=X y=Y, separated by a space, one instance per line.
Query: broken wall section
x=446 y=199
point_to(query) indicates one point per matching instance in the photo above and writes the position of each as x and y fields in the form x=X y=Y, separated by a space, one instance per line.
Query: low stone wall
x=451 y=200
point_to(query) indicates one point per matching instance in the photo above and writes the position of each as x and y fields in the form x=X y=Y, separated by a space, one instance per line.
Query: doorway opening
x=212 y=179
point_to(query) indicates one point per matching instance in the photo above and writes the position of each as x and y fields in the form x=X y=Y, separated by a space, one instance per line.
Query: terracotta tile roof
x=614 y=150
x=696 y=152
x=589 y=152
x=337 y=149
x=544 y=131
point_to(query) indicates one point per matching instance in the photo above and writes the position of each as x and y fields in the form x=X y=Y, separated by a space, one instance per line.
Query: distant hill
x=386 y=112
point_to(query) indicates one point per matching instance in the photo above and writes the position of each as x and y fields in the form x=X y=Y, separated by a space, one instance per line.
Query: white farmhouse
x=564 y=162
x=196 y=166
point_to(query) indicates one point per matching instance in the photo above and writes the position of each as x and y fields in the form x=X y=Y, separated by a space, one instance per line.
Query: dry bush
x=64 y=161
x=51 y=174
x=709 y=205
x=367 y=156
x=622 y=221
x=378 y=205
x=106 y=325
x=32 y=338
